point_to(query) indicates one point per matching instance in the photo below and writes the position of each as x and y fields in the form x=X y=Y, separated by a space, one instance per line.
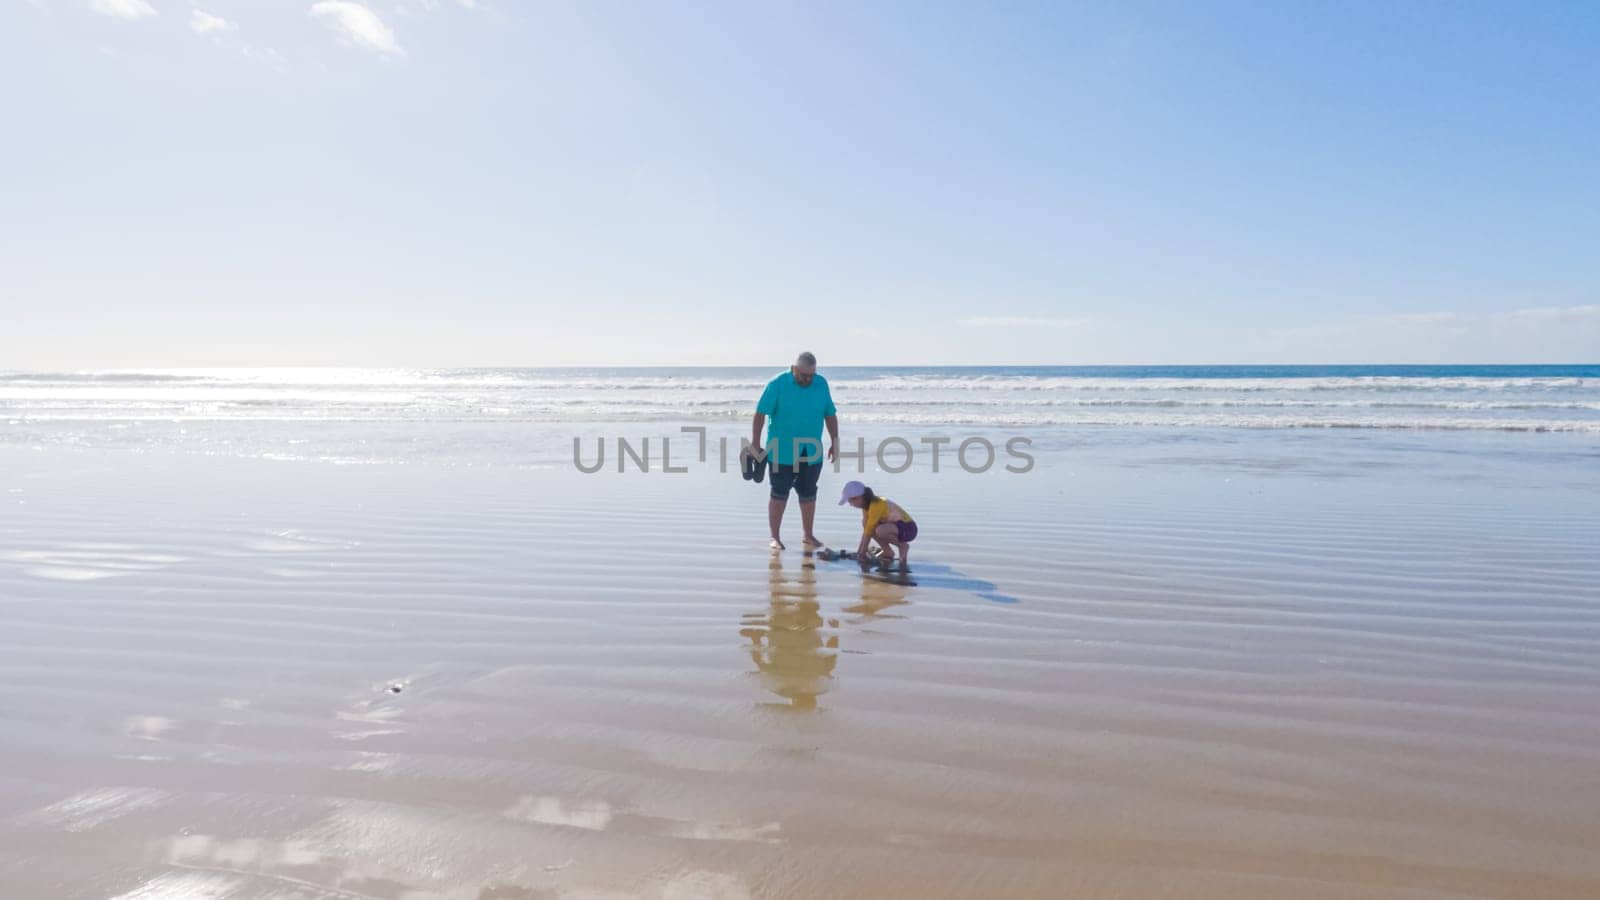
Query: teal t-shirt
x=794 y=414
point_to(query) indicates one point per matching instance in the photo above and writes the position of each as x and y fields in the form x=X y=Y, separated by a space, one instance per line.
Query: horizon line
x=821 y=366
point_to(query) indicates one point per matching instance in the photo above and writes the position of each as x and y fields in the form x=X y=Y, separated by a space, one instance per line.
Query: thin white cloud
x=1022 y=322
x=1589 y=313
x=224 y=34
x=202 y=22
x=123 y=9
x=1400 y=320
x=357 y=25
x=266 y=55
x=1553 y=333
x=416 y=8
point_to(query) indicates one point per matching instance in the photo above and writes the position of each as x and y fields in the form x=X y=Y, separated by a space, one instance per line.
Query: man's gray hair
x=806 y=359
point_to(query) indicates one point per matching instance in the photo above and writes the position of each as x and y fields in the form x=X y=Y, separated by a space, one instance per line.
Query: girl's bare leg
x=887 y=536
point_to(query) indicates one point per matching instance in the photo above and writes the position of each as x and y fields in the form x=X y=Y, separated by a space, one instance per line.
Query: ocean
x=1508 y=398
x=528 y=417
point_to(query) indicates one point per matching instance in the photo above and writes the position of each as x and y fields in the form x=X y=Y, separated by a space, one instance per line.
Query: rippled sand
x=1218 y=674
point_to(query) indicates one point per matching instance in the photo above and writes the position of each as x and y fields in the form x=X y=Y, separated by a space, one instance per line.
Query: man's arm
x=833 y=437
x=758 y=423
x=767 y=405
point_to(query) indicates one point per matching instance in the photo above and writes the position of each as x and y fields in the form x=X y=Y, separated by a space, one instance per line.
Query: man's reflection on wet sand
x=792 y=653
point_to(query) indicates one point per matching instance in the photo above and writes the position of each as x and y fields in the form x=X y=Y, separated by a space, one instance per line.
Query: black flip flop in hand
x=754 y=469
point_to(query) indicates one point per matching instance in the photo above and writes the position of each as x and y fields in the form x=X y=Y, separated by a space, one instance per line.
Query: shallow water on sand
x=1210 y=666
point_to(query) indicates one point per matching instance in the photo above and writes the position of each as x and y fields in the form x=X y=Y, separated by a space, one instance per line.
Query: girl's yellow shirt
x=878 y=512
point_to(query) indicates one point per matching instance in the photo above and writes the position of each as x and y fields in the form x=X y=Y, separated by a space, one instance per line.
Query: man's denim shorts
x=800 y=476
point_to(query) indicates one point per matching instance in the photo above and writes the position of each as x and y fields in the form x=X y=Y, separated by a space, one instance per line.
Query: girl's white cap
x=851 y=489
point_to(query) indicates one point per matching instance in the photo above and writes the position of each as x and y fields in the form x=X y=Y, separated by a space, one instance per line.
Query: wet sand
x=1214 y=673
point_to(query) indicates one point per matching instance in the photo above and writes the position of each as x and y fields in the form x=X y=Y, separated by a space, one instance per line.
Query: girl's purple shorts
x=908 y=532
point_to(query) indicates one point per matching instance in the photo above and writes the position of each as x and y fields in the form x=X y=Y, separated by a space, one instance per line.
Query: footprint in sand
x=375 y=714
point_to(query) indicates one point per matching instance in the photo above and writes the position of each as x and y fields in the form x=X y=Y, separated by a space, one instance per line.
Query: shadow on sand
x=935 y=575
x=938 y=575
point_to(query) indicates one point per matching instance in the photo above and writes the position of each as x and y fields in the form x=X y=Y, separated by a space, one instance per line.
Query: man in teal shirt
x=798 y=404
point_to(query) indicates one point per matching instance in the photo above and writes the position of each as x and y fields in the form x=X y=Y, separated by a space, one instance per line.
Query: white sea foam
x=226 y=407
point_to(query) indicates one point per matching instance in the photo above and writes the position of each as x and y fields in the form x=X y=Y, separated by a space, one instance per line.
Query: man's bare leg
x=808 y=515
x=775 y=519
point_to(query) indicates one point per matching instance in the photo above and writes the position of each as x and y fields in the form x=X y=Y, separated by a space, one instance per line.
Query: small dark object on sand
x=395 y=688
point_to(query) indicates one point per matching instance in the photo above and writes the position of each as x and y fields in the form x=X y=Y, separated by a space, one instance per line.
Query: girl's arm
x=869 y=524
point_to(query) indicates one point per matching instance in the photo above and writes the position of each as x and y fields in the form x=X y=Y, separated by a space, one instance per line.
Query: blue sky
x=441 y=182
